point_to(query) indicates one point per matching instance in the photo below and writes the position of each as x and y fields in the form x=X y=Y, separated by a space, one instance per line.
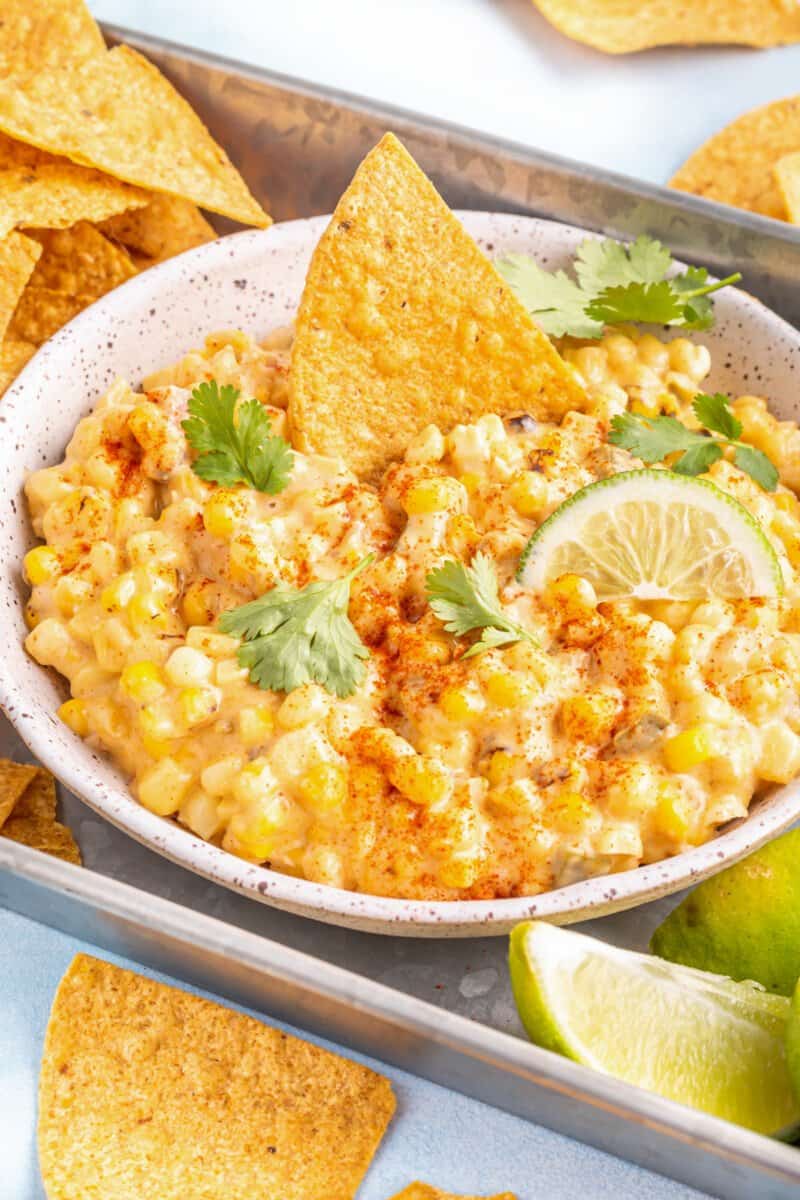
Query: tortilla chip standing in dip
x=395 y=258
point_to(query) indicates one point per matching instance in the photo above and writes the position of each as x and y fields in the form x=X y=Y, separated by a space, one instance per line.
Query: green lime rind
x=792 y=1041
x=751 y=530
x=743 y=922
x=688 y=1035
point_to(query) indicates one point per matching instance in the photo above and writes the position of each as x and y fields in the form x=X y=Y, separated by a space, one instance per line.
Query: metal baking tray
x=439 y=1008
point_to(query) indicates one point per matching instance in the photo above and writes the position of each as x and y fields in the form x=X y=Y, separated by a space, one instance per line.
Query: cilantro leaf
x=466 y=598
x=756 y=464
x=551 y=297
x=291 y=637
x=715 y=413
x=698 y=459
x=652 y=439
x=233 y=442
x=616 y=284
x=653 y=303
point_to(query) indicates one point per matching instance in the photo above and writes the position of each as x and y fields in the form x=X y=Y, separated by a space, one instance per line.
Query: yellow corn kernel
x=787 y=502
x=196 y=605
x=517 y=799
x=323 y=789
x=461 y=704
x=572 y=593
x=462 y=535
x=528 y=493
x=223 y=511
x=688 y=749
x=156 y=722
x=73 y=713
x=41 y=565
x=256 y=725
x=143 y=681
x=256 y=837
x=589 y=717
x=119 y=593
x=672 y=815
x=503 y=767
x=71 y=593
x=162 y=787
x=646 y=408
x=145 y=614
x=156 y=747
x=427 y=447
x=422 y=780
x=508 y=690
x=186 y=667
x=220 y=777
x=570 y=812
x=470 y=481
x=198 y=704
x=433 y=495
x=459 y=872
x=303 y=706
x=201 y=814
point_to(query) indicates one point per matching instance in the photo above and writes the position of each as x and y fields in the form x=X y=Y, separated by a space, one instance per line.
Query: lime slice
x=655 y=535
x=693 y=1037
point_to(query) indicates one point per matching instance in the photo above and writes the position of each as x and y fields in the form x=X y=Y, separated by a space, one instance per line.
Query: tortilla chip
x=43 y=35
x=18 y=257
x=735 y=165
x=13 y=357
x=622 y=26
x=404 y=322
x=787 y=178
x=14 y=778
x=146 y=1091
x=119 y=114
x=424 y=1191
x=33 y=821
x=165 y=227
x=38 y=189
x=77 y=267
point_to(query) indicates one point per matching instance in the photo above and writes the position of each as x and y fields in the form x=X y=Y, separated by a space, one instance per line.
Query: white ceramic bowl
x=253 y=281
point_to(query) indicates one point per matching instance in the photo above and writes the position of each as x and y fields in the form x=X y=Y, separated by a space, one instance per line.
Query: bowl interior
x=253 y=281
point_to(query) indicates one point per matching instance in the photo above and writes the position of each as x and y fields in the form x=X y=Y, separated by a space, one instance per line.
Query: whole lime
x=744 y=922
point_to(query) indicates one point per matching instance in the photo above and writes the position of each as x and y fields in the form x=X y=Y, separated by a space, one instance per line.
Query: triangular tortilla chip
x=424 y=1191
x=14 y=778
x=18 y=257
x=147 y=1091
x=40 y=35
x=13 y=357
x=39 y=189
x=165 y=227
x=735 y=165
x=33 y=820
x=787 y=178
x=119 y=114
x=622 y=26
x=404 y=322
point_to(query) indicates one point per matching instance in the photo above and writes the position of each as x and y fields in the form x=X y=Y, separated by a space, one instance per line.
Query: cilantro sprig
x=294 y=636
x=615 y=284
x=233 y=442
x=652 y=439
x=466 y=599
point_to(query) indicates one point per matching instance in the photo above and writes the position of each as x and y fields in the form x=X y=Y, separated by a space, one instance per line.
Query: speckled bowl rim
x=76 y=765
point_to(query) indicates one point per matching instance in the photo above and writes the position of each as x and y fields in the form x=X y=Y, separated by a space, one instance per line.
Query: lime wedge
x=693 y=1037
x=655 y=535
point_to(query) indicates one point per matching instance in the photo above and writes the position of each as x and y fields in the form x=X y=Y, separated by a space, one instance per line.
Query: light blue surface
x=437 y=1135
x=497 y=66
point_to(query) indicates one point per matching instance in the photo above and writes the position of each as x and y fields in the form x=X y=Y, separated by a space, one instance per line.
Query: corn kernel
x=186 y=667
x=41 y=565
x=156 y=722
x=461 y=704
x=528 y=493
x=507 y=690
x=422 y=780
x=688 y=749
x=256 y=725
x=570 y=812
x=303 y=706
x=197 y=607
x=201 y=814
x=256 y=837
x=572 y=593
x=156 y=747
x=589 y=717
x=223 y=511
x=503 y=767
x=323 y=789
x=459 y=872
x=433 y=495
x=672 y=815
x=198 y=704
x=71 y=593
x=142 y=681
x=163 y=786
x=470 y=481
x=220 y=777
x=119 y=593
x=145 y=613
x=73 y=713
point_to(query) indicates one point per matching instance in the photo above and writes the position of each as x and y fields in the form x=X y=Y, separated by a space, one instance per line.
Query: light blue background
x=497 y=66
